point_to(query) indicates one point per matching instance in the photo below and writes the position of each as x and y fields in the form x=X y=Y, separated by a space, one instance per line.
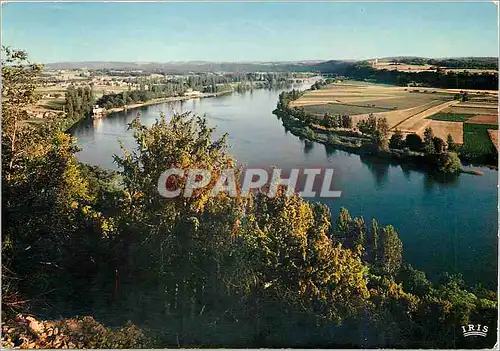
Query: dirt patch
x=441 y=129
x=484 y=119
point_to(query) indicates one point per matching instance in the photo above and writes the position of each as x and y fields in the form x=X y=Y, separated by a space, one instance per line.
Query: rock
x=35 y=326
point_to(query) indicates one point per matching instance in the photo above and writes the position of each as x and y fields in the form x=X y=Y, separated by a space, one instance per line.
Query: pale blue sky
x=257 y=31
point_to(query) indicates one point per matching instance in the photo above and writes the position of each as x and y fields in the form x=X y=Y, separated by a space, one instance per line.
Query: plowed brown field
x=483 y=119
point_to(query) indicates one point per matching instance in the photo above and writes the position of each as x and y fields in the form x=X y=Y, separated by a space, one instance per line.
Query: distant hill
x=201 y=66
x=331 y=66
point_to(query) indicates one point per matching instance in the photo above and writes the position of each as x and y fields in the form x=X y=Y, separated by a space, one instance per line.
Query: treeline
x=429 y=78
x=283 y=110
x=463 y=62
x=286 y=97
x=148 y=89
x=322 y=83
x=196 y=82
x=154 y=88
x=440 y=155
x=200 y=271
x=79 y=102
x=127 y=98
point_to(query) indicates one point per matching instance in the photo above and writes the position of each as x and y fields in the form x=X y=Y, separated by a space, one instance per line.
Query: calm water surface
x=444 y=225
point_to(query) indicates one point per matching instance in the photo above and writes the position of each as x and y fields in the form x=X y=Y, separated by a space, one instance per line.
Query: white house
x=97 y=112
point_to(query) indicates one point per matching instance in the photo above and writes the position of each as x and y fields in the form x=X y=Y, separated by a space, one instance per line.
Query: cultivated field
x=419 y=68
x=410 y=110
x=403 y=107
x=441 y=129
x=472 y=123
x=418 y=122
x=477 y=138
x=471 y=109
x=450 y=117
x=371 y=96
x=339 y=109
x=484 y=119
x=402 y=67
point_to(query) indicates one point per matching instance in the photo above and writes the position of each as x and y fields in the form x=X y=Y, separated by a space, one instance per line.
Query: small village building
x=193 y=93
x=97 y=112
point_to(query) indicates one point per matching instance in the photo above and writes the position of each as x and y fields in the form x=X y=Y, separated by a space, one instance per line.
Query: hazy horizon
x=256 y=61
x=243 y=32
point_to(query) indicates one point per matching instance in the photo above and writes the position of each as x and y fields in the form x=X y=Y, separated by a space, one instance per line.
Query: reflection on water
x=446 y=224
x=308 y=146
x=329 y=150
x=379 y=168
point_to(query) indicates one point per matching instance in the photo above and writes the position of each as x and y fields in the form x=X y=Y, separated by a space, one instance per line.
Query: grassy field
x=339 y=109
x=100 y=90
x=476 y=138
x=52 y=104
x=451 y=117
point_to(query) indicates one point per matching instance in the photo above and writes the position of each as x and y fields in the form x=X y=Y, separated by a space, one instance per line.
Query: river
x=445 y=226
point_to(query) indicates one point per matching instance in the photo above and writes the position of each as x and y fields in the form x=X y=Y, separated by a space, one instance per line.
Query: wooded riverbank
x=163 y=100
x=375 y=144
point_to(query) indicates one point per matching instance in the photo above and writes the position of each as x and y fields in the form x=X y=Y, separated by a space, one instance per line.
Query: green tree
x=451 y=143
x=428 y=143
x=46 y=200
x=346 y=121
x=19 y=78
x=449 y=162
x=381 y=134
x=372 y=248
x=414 y=142
x=415 y=281
x=294 y=247
x=368 y=126
x=391 y=251
x=397 y=140
x=439 y=145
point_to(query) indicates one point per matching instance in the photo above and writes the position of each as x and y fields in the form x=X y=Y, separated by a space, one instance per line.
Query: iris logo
x=475 y=330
